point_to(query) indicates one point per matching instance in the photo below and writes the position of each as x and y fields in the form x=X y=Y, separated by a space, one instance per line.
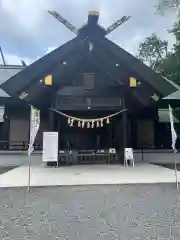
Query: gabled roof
x=7 y=72
x=172 y=83
x=175 y=95
x=43 y=66
x=164 y=116
x=86 y=54
x=38 y=69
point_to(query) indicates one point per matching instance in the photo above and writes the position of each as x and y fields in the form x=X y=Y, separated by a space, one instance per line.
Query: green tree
x=152 y=50
x=170 y=65
x=164 y=5
x=176 y=32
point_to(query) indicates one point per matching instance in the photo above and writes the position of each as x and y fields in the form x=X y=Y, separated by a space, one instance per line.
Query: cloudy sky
x=28 y=32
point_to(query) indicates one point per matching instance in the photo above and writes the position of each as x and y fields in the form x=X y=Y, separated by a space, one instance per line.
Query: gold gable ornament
x=132 y=82
x=48 y=80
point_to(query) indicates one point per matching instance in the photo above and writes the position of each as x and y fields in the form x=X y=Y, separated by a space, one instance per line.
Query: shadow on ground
x=6 y=169
x=168 y=165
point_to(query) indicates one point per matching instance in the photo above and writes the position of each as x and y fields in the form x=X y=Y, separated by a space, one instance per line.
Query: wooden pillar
x=119 y=140
x=109 y=139
x=125 y=127
x=5 y=130
x=51 y=120
x=51 y=115
x=156 y=131
x=121 y=133
x=59 y=131
x=133 y=131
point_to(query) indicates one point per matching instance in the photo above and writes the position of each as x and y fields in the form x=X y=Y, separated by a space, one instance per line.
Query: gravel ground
x=91 y=213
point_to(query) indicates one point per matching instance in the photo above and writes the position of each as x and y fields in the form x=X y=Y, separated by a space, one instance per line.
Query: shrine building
x=90 y=90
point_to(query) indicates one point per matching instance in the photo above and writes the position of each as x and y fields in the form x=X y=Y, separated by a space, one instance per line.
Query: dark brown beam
x=85 y=108
x=97 y=92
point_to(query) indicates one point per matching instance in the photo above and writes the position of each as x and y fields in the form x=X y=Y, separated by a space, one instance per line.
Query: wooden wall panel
x=145 y=133
x=19 y=130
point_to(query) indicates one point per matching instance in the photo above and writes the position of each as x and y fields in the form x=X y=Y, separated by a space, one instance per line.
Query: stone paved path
x=87 y=175
x=125 y=212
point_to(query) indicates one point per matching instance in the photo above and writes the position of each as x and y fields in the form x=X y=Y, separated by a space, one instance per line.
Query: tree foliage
x=170 y=66
x=167 y=5
x=167 y=63
x=152 y=50
x=176 y=32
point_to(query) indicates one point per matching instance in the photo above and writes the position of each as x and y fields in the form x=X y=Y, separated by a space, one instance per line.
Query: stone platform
x=87 y=175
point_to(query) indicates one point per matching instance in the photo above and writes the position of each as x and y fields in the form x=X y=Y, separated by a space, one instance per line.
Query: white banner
x=34 y=127
x=1 y=113
x=50 y=147
x=173 y=132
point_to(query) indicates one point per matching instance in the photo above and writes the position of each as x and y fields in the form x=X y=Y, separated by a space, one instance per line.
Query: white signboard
x=50 y=147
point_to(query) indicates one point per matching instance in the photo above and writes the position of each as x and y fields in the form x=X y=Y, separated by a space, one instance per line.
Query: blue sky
x=28 y=32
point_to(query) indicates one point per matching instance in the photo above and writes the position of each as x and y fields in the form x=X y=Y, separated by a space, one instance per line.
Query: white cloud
x=16 y=60
x=27 y=14
x=29 y=29
x=11 y=59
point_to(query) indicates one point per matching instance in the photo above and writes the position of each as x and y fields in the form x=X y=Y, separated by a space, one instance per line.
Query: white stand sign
x=128 y=155
x=50 y=147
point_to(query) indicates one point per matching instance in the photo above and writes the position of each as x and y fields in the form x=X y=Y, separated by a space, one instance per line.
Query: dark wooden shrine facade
x=91 y=77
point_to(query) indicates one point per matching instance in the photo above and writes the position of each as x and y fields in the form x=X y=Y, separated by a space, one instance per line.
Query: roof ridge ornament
x=93 y=17
x=93 y=12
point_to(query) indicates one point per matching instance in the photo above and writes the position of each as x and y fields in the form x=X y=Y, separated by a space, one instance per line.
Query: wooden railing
x=23 y=145
x=18 y=146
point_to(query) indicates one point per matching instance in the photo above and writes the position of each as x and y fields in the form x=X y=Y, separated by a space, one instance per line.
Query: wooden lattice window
x=88 y=80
